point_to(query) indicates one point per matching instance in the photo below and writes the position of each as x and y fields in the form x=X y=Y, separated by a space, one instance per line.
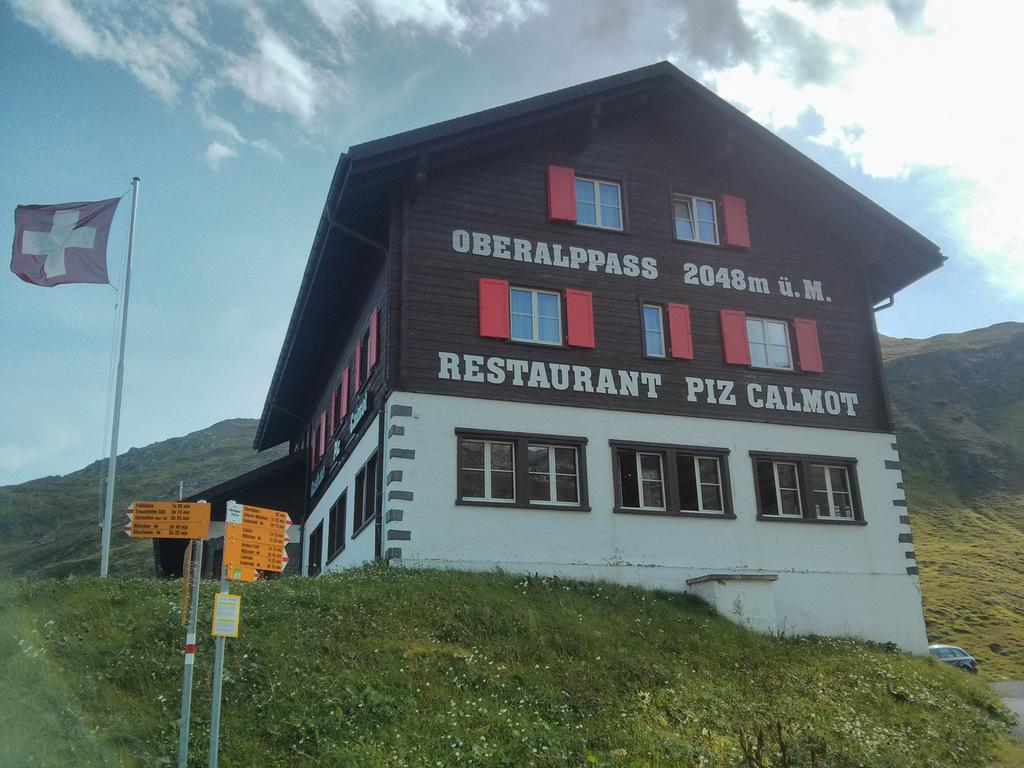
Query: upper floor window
x=536 y=316
x=654 y=331
x=807 y=488
x=598 y=203
x=695 y=219
x=769 y=344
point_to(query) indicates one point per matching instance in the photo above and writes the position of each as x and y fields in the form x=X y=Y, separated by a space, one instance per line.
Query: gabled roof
x=366 y=169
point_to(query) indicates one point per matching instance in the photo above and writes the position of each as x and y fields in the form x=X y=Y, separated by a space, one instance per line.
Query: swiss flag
x=66 y=243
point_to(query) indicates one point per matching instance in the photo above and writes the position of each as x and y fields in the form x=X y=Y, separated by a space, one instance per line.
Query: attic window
x=695 y=219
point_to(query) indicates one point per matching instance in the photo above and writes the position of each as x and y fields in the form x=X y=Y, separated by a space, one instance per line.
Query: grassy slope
x=49 y=526
x=959 y=409
x=386 y=667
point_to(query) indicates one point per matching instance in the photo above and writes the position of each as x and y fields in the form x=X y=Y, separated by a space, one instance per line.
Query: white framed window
x=832 y=491
x=487 y=471
x=536 y=316
x=641 y=479
x=598 y=203
x=779 y=488
x=695 y=219
x=700 y=483
x=654 y=330
x=553 y=474
x=769 y=344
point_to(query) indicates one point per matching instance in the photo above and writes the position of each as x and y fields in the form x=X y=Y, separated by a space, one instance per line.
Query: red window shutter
x=494 y=312
x=579 y=313
x=332 y=422
x=323 y=433
x=343 y=396
x=561 y=193
x=679 y=332
x=734 y=219
x=357 y=368
x=371 y=344
x=312 y=448
x=734 y=337
x=807 y=347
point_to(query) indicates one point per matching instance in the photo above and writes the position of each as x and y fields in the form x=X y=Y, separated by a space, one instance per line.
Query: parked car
x=958 y=657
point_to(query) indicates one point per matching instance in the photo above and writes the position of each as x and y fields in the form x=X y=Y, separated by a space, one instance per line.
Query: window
x=654 y=331
x=365 y=499
x=673 y=480
x=806 y=488
x=536 y=316
x=554 y=474
x=700 y=483
x=336 y=527
x=769 y=344
x=598 y=204
x=831 y=491
x=511 y=469
x=315 y=555
x=695 y=219
x=487 y=470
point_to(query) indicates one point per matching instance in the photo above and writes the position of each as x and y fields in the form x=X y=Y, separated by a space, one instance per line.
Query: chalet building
x=619 y=331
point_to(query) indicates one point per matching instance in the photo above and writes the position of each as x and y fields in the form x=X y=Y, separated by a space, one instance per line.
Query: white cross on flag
x=55 y=244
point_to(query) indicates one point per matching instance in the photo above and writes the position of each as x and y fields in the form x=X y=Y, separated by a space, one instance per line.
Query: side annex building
x=618 y=331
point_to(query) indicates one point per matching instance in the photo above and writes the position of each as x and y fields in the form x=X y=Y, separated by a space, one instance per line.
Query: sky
x=233 y=115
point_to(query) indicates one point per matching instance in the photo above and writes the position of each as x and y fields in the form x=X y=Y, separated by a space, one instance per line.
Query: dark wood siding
x=652 y=156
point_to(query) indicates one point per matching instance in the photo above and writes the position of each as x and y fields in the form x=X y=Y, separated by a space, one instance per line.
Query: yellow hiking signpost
x=168 y=520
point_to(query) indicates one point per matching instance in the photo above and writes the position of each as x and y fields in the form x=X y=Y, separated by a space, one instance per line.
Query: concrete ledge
x=394 y=535
x=394 y=476
x=733 y=577
x=394 y=430
x=394 y=515
x=401 y=410
x=400 y=495
x=892 y=464
x=401 y=453
x=393 y=553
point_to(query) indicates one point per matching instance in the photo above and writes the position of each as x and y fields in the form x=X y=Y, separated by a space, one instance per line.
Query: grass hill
x=959 y=409
x=390 y=667
x=50 y=526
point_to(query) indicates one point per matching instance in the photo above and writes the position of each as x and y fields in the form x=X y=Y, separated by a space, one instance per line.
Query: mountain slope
x=49 y=526
x=959 y=408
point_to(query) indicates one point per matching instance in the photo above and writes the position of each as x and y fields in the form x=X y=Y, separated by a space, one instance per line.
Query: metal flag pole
x=112 y=464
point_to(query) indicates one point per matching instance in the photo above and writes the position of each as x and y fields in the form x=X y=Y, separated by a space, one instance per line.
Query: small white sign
x=233 y=513
x=227 y=610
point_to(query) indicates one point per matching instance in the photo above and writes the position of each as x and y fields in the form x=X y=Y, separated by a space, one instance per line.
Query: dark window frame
x=361 y=516
x=521 y=441
x=314 y=563
x=670 y=478
x=802 y=462
x=336 y=526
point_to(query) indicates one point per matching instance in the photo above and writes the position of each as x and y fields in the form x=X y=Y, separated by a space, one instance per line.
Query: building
x=618 y=331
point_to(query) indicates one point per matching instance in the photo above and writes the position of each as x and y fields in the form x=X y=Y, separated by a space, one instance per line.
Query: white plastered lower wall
x=361 y=549
x=832 y=580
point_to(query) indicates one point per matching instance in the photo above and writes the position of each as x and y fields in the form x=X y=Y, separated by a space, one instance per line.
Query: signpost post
x=254 y=539
x=192 y=574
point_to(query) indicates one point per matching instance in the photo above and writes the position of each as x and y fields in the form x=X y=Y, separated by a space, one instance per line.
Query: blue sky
x=233 y=115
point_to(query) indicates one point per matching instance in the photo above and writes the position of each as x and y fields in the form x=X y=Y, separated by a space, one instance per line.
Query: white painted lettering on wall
x=538 y=375
x=553 y=254
x=772 y=396
x=735 y=279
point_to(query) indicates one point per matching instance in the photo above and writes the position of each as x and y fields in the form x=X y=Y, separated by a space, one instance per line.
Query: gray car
x=958 y=657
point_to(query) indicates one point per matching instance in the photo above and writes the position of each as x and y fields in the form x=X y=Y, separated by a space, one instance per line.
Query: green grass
x=389 y=667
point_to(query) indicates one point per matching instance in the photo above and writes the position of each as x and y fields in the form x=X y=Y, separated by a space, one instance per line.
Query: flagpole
x=112 y=464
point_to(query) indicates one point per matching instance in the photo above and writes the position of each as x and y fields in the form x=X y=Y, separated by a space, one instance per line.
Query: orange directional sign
x=241 y=573
x=264 y=518
x=263 y=557
x=168 y=520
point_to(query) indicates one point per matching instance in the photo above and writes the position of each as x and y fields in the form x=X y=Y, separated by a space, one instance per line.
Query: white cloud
x=216 y=153
x=55 y=438
x=938 y=93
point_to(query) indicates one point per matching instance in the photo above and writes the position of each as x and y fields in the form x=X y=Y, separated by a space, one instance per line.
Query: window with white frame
x=536 y=315
x=779 y=488
x=695 y=219
x=769 y=344
x=487 y=470
x=554 y=474
x=700 y=483
x=598 y=203
x=832 y=491
x=654 y=330
x=641 y=479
